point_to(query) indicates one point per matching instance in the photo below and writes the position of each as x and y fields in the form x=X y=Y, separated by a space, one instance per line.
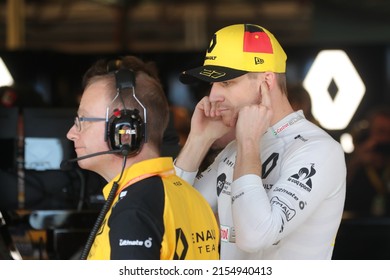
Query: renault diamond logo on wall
x=334 y=65
x=5 y=76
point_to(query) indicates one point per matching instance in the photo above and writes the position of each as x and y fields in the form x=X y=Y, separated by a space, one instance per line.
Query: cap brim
x=210 y=74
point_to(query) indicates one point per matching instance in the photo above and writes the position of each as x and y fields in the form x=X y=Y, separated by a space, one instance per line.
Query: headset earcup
x=125 y=132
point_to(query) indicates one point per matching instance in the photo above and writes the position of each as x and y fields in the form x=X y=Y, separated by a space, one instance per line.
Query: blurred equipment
x=8 y=250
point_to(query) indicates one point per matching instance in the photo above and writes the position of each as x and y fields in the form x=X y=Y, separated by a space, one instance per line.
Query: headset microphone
x=124 y=151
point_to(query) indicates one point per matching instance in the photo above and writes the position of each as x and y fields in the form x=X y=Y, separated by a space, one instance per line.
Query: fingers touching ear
x=265 y=99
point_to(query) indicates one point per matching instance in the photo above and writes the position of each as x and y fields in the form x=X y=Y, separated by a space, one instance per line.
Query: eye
x=225 y=83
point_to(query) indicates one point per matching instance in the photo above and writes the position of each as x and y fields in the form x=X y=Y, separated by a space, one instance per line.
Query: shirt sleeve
x=134 y=235
x=185 y=175
x=307 y=179
x=205 y=183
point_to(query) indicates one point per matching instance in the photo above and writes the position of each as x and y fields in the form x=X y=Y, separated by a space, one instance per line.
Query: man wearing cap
x=278 y=188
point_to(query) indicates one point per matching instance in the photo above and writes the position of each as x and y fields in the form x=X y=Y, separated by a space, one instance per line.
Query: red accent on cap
x=257 y=42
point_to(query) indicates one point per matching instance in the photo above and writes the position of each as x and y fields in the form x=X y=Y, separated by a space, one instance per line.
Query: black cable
x=102 y=214
x=82 y=190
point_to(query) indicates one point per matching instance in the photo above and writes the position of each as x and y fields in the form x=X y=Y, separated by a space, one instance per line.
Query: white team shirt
x=293 y=211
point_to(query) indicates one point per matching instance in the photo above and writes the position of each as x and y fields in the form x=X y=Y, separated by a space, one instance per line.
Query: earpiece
x=125 y=130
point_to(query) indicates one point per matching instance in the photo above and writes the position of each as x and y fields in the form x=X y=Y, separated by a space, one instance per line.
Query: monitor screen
x=45 y=142
x=44 y=184
x=36 y=181
x=45 y=153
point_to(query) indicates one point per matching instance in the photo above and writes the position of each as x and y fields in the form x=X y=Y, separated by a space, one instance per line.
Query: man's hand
x=206 y=120
x=206 y=127
x=254 y=120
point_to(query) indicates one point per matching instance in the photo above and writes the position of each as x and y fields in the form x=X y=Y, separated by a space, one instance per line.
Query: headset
x=125 y=129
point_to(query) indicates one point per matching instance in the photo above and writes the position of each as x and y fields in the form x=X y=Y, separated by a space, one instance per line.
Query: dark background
x=62 y=38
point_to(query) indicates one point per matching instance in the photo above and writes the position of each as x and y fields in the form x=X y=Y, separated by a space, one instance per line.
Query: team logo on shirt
x=204 y=241
x=181 y=245
x=146 y=243
x=303 y=178
x=300 y=138
x=221 y=180
x=288 y=212
x=269 y=164
x=228 y=234
x=288 y=192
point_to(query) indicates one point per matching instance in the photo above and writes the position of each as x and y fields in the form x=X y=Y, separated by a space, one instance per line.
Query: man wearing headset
x=150 y=213
x=279 y=187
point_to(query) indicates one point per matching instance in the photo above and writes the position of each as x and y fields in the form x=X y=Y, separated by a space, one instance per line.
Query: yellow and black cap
x=236 y=50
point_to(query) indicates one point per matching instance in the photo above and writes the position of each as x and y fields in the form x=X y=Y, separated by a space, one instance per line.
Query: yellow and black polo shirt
x=156 y=215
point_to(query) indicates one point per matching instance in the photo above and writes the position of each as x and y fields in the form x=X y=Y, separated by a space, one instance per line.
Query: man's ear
x=270 y=79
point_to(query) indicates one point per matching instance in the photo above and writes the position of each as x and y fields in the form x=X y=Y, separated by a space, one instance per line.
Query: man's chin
x=231 y=122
